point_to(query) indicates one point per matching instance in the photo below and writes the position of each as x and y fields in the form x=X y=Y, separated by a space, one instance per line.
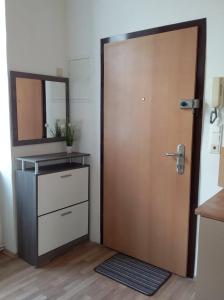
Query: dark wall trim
x=196 y=145
x=38 y=76
x=14 y=120
x=197 y=123
x=44 y=109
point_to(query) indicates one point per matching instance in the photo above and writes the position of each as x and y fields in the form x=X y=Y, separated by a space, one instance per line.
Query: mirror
x=40 y=108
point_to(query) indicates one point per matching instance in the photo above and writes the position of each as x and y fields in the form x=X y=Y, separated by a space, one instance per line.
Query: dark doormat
x=136 y=274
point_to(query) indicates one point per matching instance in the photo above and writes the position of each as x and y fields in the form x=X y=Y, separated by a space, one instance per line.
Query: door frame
x=197 y=123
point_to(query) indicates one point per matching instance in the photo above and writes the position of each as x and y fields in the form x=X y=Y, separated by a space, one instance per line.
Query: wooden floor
x=71 y=276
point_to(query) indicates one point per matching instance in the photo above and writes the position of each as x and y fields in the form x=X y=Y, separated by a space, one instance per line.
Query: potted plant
x=69 y=136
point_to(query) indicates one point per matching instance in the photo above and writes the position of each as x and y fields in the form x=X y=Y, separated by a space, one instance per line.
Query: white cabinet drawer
x=61 y=227
x=62 y=189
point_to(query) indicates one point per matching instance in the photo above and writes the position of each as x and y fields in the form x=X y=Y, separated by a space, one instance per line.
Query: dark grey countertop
x=52 y=156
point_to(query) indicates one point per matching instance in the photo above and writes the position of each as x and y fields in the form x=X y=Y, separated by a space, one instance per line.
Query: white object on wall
x=218 y=92
x=79 y=74
x=215 y=138
x=217 y=101
x=216 y=115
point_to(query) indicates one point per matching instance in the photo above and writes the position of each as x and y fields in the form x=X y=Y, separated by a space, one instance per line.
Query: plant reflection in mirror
x=58 y=130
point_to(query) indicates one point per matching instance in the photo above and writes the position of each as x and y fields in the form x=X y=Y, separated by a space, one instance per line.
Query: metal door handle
x=66 y=176
x=180 y=157
x=66 y=213
x=171 y=154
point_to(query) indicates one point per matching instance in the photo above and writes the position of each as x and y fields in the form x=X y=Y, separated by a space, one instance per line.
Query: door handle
x=180 y=158
x=171 y=154
x=66 y=213
x=66 y=176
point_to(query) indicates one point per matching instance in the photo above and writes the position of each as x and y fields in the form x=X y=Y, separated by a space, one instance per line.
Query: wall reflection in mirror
x=39 y=108
x=55 y=108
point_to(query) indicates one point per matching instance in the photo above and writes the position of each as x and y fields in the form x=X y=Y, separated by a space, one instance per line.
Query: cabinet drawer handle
x=66 y=176
x=66 y=213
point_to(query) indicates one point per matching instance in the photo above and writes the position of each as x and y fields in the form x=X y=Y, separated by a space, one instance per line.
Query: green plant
x=69 y=134
x=56 y=131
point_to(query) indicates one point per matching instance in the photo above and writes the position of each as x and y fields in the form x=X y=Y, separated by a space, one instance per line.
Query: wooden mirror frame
x=14 y=119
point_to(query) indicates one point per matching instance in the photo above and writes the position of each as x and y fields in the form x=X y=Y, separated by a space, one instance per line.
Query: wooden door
x=146 y=203
x=29 y=96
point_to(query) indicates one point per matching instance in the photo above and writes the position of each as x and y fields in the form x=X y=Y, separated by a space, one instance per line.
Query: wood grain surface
x=71 y=276
x=213 y=208
x=146 y=203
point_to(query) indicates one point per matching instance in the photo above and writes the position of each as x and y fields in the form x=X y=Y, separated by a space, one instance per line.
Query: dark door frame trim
x=197 y=122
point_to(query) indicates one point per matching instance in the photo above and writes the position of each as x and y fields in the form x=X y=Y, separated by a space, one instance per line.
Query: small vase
x=69 y=149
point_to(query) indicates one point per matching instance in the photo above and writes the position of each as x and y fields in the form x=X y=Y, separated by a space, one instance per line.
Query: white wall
x=36 y=35
x=1 y=238
x=5 y=156
x=36 y=43
x=89 y=21
x=85 y=111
